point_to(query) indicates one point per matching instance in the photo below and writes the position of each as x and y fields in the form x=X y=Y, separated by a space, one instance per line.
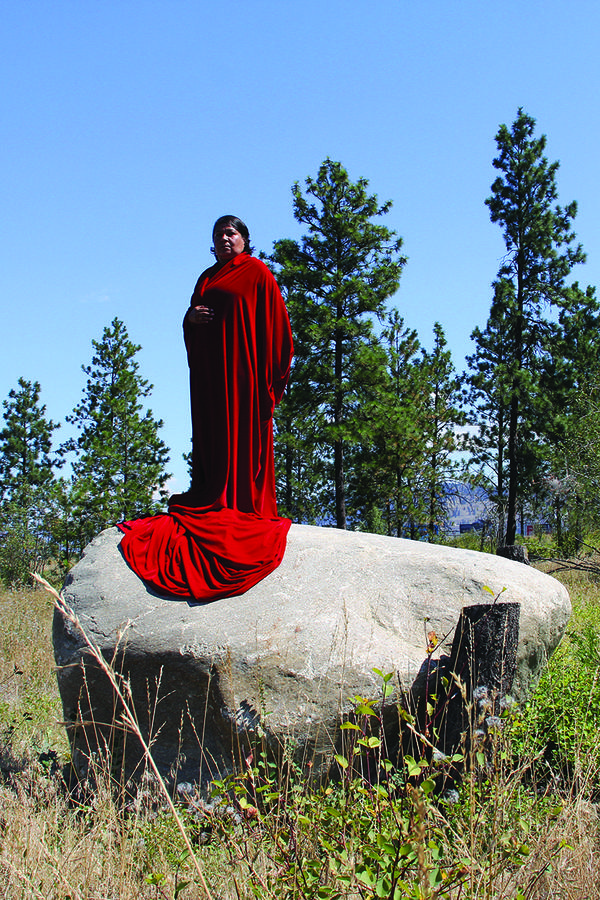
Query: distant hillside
x=467 y=504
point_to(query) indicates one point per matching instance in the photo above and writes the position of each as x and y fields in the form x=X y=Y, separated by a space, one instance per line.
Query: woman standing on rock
x=223 y=535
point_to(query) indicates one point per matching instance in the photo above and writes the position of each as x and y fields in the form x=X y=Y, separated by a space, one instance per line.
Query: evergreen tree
x=26 y=480
x=25 y=442
x=443 y=419
x=383 y=483
x=299 y=463
x=579 y=457
x=488 y=400
x=337 y=279
x=120 y=462
x=533 y=301
x=71 y=521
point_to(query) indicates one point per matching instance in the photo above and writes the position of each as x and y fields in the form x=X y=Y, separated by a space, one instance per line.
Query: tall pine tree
x=337 y=280
x=533 y=301
x=119 y=467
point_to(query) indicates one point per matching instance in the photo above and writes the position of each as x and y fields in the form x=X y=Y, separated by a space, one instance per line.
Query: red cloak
x=239 y=365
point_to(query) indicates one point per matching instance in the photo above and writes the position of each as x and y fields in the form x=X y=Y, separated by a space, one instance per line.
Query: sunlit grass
x=30 y=708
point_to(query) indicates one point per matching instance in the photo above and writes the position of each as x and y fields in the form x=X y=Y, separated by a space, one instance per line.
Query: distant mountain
x=467 y=504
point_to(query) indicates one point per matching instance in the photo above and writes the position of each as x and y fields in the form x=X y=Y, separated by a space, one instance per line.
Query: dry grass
x=30 y=708
x=516 y=839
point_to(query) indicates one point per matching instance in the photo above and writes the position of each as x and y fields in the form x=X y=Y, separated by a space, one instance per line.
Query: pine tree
x=120 y=462
x=443 y=419
x=579 y=456
x=337 y=281
x=299 y=463
x=571 y=480
x=25 y=442
x=26 y=479
x=388 y=461
x=403 y=478
x=533 y=300
x=71 y=521
x=488 y=400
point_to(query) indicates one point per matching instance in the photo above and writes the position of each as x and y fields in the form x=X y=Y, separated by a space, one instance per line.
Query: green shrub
x=560 y=722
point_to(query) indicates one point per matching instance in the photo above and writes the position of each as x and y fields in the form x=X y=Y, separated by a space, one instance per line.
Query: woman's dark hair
x=240 y=226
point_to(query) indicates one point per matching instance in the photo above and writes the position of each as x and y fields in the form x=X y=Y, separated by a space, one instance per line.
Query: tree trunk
x=340 y=499
x=511 y=512
x=513 y=481
x=338 y=447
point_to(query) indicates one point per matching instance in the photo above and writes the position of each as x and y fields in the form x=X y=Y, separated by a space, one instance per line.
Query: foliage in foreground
x=518 y=826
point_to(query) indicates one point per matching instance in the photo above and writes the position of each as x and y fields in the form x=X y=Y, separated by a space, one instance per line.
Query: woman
x=239 y=347
x=223 y=535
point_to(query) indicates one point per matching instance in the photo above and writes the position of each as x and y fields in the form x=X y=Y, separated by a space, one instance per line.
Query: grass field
x=523 y=825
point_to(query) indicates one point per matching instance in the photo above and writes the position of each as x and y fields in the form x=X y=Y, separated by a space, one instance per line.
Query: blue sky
x=128 y=126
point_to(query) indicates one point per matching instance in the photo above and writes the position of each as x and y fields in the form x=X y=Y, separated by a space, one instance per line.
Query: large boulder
x=284 y=661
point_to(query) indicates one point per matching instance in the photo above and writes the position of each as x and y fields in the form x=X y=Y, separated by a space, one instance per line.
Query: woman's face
x=228 y=243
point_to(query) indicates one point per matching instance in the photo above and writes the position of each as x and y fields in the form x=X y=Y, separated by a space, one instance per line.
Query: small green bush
x=559 y=724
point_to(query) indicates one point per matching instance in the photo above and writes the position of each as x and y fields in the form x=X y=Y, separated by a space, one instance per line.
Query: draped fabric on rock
x=204 y=553
x=239 y=365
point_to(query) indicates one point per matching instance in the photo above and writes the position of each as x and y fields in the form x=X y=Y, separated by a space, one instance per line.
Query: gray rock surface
x=284 y=660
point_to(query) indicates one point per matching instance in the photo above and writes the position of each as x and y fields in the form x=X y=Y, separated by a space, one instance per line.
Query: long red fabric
x=239 y=365
x=205 y=554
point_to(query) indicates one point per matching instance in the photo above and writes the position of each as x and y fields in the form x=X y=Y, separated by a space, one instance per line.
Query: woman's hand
x=200 y=315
